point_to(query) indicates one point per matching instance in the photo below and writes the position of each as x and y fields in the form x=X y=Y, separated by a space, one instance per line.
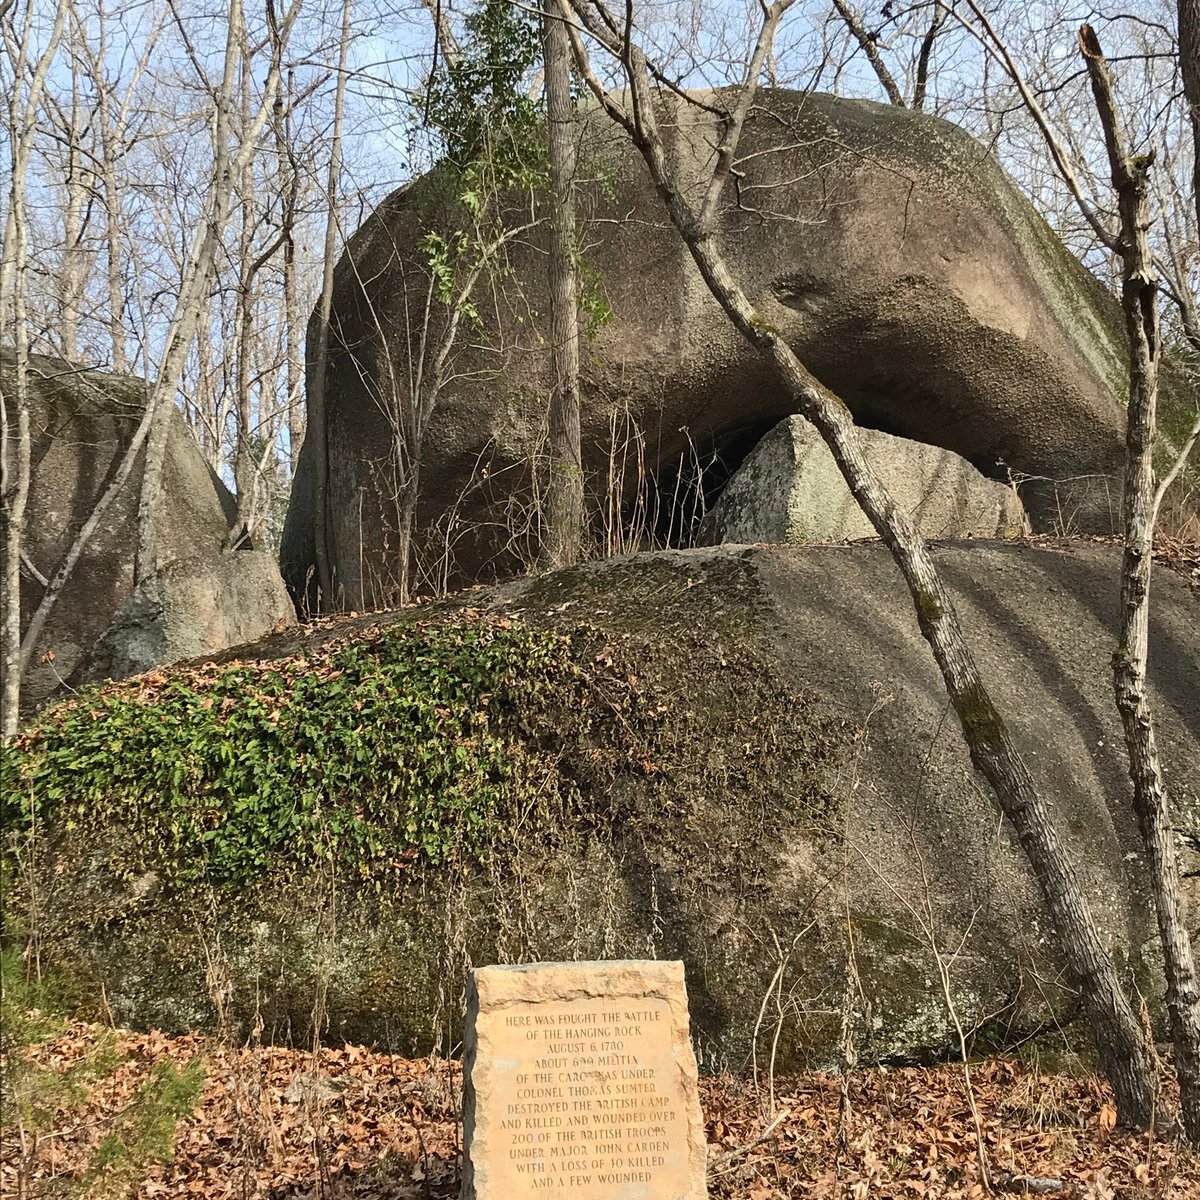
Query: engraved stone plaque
x=580 y=1084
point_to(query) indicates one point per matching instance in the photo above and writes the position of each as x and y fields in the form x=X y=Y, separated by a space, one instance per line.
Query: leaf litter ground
x=347 y=1123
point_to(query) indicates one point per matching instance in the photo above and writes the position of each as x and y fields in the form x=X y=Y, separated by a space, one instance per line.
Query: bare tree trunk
x=443 y=31
x=114 y=239
x=1121 y=1046
x=244 y=459
x=16 y=459
x=73 y=273
x=192 y=286
x=564 y=499
x=1139 y=299
x=14 y=404
x=111 y=137
x=1119 y=1040
x=293 y=334
x=289 y=187
x=112 y=116
x=197 y=270
x=1189 y=66
x=17 y=650
x=867 y=43
x=922 y=82
x=318 y=392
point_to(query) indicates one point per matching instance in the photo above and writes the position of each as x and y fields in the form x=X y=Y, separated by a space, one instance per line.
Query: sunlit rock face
x=790 y=490
x=81 y=424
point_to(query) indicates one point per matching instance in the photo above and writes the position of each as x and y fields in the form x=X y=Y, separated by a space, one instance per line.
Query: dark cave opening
x=669 y=508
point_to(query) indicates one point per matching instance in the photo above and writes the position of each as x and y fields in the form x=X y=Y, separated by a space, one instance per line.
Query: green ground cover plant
x=410 y=742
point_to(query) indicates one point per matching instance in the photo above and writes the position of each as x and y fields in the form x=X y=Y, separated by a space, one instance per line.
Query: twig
x=736 y=1153
x=1028 y=1185
x=1181 y=458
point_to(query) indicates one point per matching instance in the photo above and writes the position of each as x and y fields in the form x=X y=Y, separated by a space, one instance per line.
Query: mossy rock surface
x=741 y=757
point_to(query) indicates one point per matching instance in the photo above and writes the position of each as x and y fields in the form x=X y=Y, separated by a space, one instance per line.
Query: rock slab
x=190 y=608
x=790 y=490
x=580 y=1082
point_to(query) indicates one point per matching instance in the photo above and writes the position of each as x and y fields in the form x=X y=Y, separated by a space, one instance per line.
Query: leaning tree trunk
x=564 y=498
x=1139 y=299
x=1120 y=1043
x=1119 y=1040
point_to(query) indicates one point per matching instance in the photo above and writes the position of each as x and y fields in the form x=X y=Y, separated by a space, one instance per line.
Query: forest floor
x=338 y=1124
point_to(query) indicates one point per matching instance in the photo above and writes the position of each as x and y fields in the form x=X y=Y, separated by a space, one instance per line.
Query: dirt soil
x=347 y=1123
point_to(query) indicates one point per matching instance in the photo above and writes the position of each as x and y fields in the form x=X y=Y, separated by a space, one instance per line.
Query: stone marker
x=580 y=1083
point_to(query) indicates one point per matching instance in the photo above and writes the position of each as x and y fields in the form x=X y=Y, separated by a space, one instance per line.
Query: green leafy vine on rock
x=415 y=741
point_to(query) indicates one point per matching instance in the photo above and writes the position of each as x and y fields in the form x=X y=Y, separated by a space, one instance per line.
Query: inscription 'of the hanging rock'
x=580 y=1084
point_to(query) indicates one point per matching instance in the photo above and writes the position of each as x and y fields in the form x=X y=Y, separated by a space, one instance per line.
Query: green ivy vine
x=419 y=741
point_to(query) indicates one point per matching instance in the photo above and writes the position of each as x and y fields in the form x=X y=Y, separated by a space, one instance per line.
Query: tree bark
x=318 y=392
x=16 y=459
x=1122 y=1049
x=922 y=83
x=1189 y=67
x=564 y=500
x=113 y=239
x=289 y=186
x=1139 y=299
x=243 y=454
x=868 y=45
x=73 y=273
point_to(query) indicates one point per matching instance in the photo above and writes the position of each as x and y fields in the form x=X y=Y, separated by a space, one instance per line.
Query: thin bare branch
x=736 y=120
x=869 y=42
x=985 y=33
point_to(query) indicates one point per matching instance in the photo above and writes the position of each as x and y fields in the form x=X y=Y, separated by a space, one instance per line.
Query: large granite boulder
x=190 y=608
x=81 y=423
x=767 y=777
x=790 y=490
x=889 y=247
